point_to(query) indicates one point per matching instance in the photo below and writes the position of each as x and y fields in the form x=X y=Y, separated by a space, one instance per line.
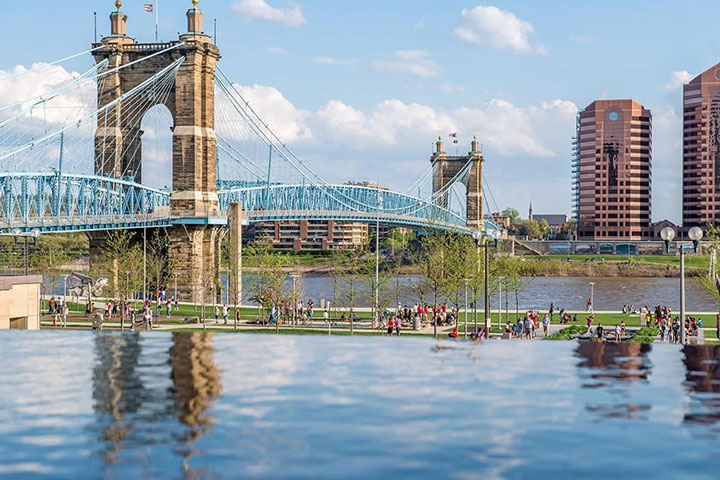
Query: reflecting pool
x=199 y=405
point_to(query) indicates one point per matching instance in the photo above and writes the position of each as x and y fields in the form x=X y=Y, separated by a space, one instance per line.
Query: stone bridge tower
x=191 y=102
x=448 y=167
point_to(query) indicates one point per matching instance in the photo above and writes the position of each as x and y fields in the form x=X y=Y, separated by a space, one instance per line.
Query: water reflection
x=318 y=407
x=613 y=369
x=116 y=388
x=702 y=378
x=195 y=384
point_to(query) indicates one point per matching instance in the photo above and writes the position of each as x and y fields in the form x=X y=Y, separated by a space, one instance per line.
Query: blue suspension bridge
x=59 y=169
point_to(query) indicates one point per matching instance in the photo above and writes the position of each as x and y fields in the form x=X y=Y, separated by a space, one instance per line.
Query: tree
x=544 y=228
x=513 y=214
x=48 y=259
x=434 y=259
x=349 y=279
x=532 y=229
x=120 y=255
x=515 y=277
x=160 y=266
x=269 y=282
x=461 y=258
x=709 y=281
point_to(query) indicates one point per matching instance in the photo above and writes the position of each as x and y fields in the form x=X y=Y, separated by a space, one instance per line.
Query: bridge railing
x=26 y=197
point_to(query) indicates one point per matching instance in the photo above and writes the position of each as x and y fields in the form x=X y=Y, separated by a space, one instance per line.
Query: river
x=565 y=292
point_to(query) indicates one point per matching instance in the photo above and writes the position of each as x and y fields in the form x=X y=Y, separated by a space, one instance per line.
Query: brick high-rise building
x=612 y=171
x=701 y=149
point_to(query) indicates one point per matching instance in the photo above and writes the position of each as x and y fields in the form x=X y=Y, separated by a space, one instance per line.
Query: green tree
x=350 y=275
x=120 y=263
x=268 y=283
x=532 y=229
x=544 y=228
x=160 y=267
x=709 y=281
x=49 y=257
x=513 y=214
x=434 y=258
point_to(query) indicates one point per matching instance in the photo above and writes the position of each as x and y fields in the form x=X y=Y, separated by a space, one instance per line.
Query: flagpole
x=157 y=7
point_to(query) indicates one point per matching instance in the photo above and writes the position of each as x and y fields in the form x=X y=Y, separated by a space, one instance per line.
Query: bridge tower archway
x=191 y=101
x=448 y=168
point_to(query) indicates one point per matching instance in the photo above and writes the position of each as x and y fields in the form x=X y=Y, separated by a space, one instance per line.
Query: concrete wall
x=20 y=302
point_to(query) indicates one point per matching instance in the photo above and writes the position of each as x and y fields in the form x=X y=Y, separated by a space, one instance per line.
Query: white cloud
x=336 y=61
x=291 y=15
x=489 y=26
x=419 y=25
x=451 y=89
x=582 y=39
x=506 y=128
x=287 y=121
x=678 y=79
x=413 y=62
x=275 y=50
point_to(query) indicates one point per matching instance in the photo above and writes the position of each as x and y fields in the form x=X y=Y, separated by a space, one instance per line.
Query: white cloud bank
x=291 y=15
x=506 y=128
x=413 y=62
x=678 y=79
x=489 y=26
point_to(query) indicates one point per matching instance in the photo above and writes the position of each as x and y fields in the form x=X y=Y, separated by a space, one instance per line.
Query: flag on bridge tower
x=149 y=7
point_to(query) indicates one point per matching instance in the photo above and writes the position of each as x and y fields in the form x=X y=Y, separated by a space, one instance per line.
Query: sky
x=361 y=90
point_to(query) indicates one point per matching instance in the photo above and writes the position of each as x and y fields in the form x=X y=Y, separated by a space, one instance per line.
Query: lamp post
x=592 y=298
x=467 y=280
x=695 y=235
x=34 y=234
x=294 y=277
x=495 y=235
x=500 y=287
x=377 y=252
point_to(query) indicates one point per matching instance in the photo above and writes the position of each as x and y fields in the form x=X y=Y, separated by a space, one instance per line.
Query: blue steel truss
x=56 y=203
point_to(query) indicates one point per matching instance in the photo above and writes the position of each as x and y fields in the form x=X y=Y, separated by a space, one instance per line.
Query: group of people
x=618 y=331
x=526 y=327
x=58 y=308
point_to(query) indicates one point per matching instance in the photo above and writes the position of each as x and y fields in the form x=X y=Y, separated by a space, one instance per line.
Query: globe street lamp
x=695 y=234
x=667 y=234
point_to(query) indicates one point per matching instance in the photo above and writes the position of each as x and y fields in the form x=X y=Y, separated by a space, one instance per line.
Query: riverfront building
x=315 y=235
x=612 y=171
x=701 y=149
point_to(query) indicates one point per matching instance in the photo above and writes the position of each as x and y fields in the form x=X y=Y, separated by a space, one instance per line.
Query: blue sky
x=361 y=89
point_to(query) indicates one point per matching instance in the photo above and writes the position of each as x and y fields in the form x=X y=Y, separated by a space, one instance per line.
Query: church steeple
x=530 y=212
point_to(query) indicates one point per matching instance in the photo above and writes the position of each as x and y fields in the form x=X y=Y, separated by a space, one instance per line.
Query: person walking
x=390 y=326
x=225 y=312
x=168 y=306
x=65 y=314
x=177 y=304
x=398 y=325
x=217 y=314
x=546 y=324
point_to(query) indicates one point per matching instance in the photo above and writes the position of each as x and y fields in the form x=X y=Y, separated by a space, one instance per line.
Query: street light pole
x=500 y=285
x=145 y=261
x=487 y=290
x=466 y=304
x=592 y=298
x=682 y=295
x=377 y=251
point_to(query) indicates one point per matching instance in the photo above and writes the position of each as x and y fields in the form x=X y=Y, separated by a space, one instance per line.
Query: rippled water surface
x=83 y=405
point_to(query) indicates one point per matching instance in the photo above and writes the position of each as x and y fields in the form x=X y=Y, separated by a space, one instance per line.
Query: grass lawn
x=692 y=261
x=644 y=335
x=567 y=333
